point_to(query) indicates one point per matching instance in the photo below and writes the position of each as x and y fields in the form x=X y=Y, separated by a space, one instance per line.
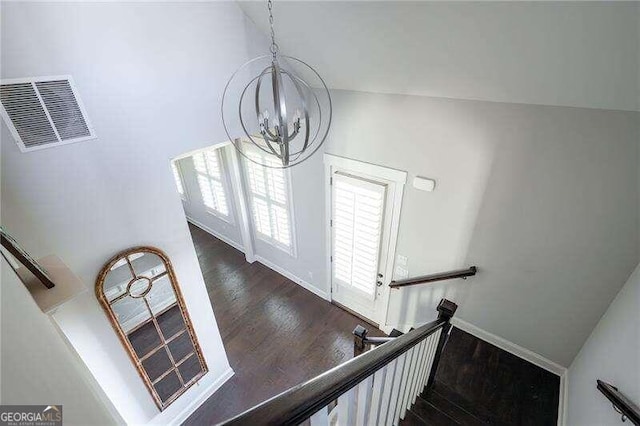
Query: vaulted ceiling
x=583 y=54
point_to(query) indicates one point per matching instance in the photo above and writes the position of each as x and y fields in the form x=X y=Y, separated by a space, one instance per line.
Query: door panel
x=357 y=214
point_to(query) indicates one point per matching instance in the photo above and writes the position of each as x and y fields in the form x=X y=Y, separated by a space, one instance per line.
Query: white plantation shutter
x=269 y=200
x=209 y=168
x=357 y=215
x=261 y=216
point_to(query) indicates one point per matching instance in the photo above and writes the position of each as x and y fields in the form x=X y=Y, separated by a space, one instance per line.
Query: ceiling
x=583 y=54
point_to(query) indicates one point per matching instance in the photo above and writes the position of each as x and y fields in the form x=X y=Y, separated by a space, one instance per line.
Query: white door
x=358 y=243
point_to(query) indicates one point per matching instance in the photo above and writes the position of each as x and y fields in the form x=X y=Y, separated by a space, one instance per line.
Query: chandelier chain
x=274 y=46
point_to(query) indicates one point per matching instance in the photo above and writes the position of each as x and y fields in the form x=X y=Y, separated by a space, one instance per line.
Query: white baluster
x=432 y=356
x=404 y=385
x=433 y=343
x=385 y=401
x=363 y=398
x=376 y=397
x=415 y=376
x=424 y=371
x=429 y=353
x=347 y=408
x=320 y=418
x=395 y=391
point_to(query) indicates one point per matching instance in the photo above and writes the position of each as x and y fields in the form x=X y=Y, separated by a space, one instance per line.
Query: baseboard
x=188 y=410
x=215 y=234
x=313 y=289
x=510 y=347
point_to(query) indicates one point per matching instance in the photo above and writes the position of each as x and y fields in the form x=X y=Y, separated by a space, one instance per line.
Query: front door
x=359 y=237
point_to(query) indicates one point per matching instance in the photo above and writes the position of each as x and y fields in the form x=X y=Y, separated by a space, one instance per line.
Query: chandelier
x=276 y=109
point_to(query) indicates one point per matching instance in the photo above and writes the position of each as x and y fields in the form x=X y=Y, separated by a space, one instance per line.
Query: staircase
x=478 y=383
x=434 y=409
x=435 y=375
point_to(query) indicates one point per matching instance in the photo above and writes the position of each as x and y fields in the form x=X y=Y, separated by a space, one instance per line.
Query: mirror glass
x=137 y=289
x=130 y=313
x=161 y=296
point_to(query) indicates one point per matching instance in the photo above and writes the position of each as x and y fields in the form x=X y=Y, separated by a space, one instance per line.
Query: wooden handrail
x=459 y=273
x=621 y=403
x=297 y=404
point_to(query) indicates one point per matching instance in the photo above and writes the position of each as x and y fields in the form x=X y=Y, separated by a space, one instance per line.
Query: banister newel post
x=446 y=310
x=359 y=335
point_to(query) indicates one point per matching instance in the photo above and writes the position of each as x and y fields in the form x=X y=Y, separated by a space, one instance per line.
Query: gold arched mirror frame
x=139 y=292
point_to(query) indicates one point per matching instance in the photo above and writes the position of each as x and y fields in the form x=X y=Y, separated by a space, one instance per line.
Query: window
x=269 y=200
x=212 y=182
x=177 y=176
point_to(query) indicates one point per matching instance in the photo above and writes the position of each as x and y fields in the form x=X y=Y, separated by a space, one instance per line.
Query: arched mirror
x=140 y=294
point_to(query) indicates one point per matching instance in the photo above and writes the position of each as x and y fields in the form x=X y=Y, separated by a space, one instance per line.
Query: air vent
x=44 y=112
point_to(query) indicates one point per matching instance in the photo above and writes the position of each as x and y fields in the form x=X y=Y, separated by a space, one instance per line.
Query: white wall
x=36 y=365
x=612 y=354
x=151 y=77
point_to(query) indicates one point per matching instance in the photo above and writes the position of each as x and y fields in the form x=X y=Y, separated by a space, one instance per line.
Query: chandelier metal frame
x=278 y=133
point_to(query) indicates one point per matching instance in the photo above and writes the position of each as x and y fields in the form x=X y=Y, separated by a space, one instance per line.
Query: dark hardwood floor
x=276 y=333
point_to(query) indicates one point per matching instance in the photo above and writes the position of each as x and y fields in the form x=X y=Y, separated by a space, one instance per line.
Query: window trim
x=178 y=167
x=291 y=250
x=224 y=181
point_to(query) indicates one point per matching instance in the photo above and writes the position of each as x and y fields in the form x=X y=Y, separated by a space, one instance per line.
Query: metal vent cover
x=44 y=112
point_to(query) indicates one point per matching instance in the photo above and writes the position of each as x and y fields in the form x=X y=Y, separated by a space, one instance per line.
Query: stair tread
x=411 y=419
x=447 y=393
x=431 y=414
x=456 y=412
x=495 y=385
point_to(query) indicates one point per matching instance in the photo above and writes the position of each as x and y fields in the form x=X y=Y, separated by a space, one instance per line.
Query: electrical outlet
x=401 y=260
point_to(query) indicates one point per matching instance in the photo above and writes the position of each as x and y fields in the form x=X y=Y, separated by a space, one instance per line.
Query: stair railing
x=440 y=276
x=622 y=404
x=376 y=387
